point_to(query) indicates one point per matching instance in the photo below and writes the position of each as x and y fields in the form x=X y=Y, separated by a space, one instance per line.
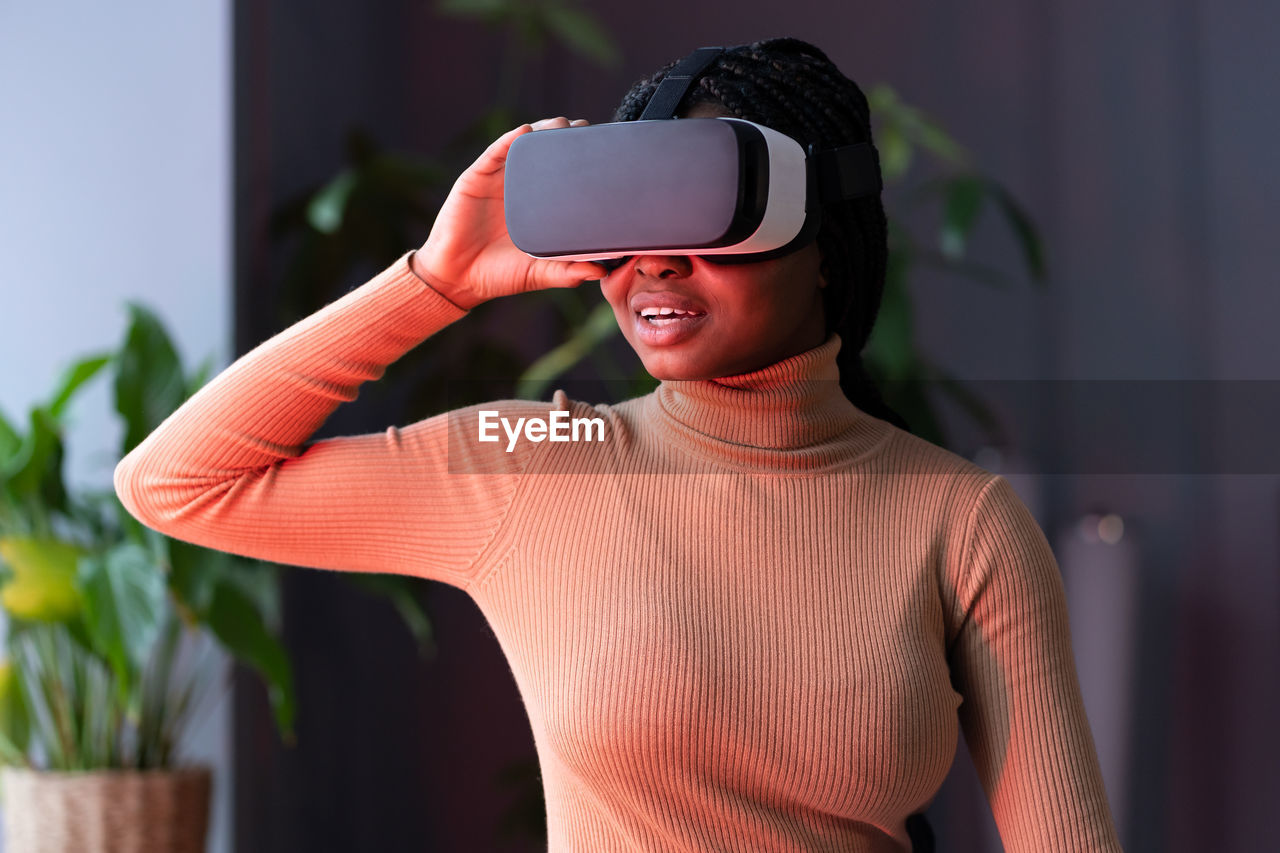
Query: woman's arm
x=229 y=469
x=1023 y=715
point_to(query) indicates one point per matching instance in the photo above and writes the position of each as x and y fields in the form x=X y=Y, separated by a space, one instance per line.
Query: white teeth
x=664 y=311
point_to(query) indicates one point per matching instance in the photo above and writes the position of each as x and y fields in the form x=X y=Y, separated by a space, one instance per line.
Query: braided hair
x=791 y=86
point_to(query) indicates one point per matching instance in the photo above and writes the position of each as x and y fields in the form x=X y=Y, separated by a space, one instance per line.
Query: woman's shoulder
x=920 y=466
x=908 y=452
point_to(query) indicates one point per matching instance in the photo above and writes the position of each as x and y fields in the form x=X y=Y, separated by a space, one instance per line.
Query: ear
x=824 y=271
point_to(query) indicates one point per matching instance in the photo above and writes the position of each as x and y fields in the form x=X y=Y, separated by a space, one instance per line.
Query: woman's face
x=735 y=317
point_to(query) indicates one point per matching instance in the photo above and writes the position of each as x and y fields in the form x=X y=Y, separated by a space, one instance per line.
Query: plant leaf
x=240 y=627
x=891 y=347
x=327 y=208
x=15 y=724
x=970 y=403
x=10 y=441
x=149 y=382
x=124 y=606
x=1023 y=229
x=963 y=202
x=402 y=592
x=599 y=326
x=913 y=126
x=74 y=377
x=34 y=470
x=895 y=152
x=582 y=34
x=194 y=572
x=43 y=585
x=260 y=582
x=473 y=8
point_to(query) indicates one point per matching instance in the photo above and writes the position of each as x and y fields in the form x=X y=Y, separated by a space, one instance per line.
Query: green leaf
x=529 y=23
x=891 y=346
x=149 y=381
x=934 y=139
x=329 y=205
x=913 y=127
x=599 y=326
x=582 y=34
x=15 y=723
x=474 y=8
x=970 y=403
x=241 y=629
x=10 y=441
x=68 y=694
x=74 y=377
x=193 y=573
x=963 y=202
x=260 y=582
x=42 y=586
x=1023 y=229
x=124 y=600
x=26 y=468
x=895 y=152
x=402 y=592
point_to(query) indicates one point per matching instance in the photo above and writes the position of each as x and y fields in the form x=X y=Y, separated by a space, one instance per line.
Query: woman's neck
x=788 y=410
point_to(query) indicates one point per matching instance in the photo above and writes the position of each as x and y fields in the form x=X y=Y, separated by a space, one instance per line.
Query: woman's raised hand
x=468 y=256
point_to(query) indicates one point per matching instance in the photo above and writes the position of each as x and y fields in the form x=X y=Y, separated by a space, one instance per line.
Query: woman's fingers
x=495 y=156
x=570 y=273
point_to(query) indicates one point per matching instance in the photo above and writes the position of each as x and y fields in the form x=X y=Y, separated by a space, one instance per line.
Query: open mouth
x=668 y=316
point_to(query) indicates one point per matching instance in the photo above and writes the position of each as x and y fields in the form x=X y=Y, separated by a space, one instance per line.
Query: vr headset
x=728 y=190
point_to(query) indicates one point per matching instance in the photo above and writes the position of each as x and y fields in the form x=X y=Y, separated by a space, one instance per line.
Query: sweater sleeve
x=229 y=469
x=1023 y=714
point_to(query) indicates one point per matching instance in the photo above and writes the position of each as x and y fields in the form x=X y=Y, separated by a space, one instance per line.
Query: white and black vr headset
x=725 y=189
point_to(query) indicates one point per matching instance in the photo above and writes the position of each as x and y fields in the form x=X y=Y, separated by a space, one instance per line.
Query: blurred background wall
x=1140 y=136
x=115 y=184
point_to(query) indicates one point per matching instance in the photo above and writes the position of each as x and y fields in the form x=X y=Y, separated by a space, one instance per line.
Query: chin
x=664 y=368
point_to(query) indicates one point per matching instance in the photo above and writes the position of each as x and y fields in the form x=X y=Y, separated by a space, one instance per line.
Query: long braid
x=792 y=87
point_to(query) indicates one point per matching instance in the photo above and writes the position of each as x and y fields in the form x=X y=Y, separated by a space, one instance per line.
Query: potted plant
x=111 y=630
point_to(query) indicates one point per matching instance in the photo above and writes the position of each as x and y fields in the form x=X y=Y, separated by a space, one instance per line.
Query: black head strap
x=847 y=172
x=673 y=87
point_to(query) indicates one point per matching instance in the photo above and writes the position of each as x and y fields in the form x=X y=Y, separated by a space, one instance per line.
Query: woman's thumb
x=574 y=273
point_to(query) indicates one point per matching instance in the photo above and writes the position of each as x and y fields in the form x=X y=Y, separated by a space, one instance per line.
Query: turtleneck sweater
x=751 y=617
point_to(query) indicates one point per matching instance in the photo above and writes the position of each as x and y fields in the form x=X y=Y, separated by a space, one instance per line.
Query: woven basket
x=106 y=811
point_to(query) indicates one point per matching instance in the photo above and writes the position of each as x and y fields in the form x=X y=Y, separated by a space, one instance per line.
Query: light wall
x=115 y=163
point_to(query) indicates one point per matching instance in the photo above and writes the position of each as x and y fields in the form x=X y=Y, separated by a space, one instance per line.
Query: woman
x=758 y=613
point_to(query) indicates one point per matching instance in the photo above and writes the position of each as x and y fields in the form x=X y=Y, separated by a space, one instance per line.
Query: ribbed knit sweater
x=752 y=617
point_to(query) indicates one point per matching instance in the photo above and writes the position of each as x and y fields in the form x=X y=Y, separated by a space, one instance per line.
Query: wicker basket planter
x=106 y=811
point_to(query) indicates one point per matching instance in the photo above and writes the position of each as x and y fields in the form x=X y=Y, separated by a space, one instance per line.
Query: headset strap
x=842 y=173
x=847 y=172
x=673 y=87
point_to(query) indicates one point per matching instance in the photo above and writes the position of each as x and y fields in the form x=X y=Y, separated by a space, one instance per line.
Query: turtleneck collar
x=790 y=414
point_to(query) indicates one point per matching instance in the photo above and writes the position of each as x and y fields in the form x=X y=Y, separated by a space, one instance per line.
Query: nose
x=664 y=266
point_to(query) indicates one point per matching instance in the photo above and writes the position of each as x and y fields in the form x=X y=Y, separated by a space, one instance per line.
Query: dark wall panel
x=1141 y=138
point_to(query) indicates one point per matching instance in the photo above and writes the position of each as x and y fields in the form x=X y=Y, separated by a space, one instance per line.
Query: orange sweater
x=752 y=617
